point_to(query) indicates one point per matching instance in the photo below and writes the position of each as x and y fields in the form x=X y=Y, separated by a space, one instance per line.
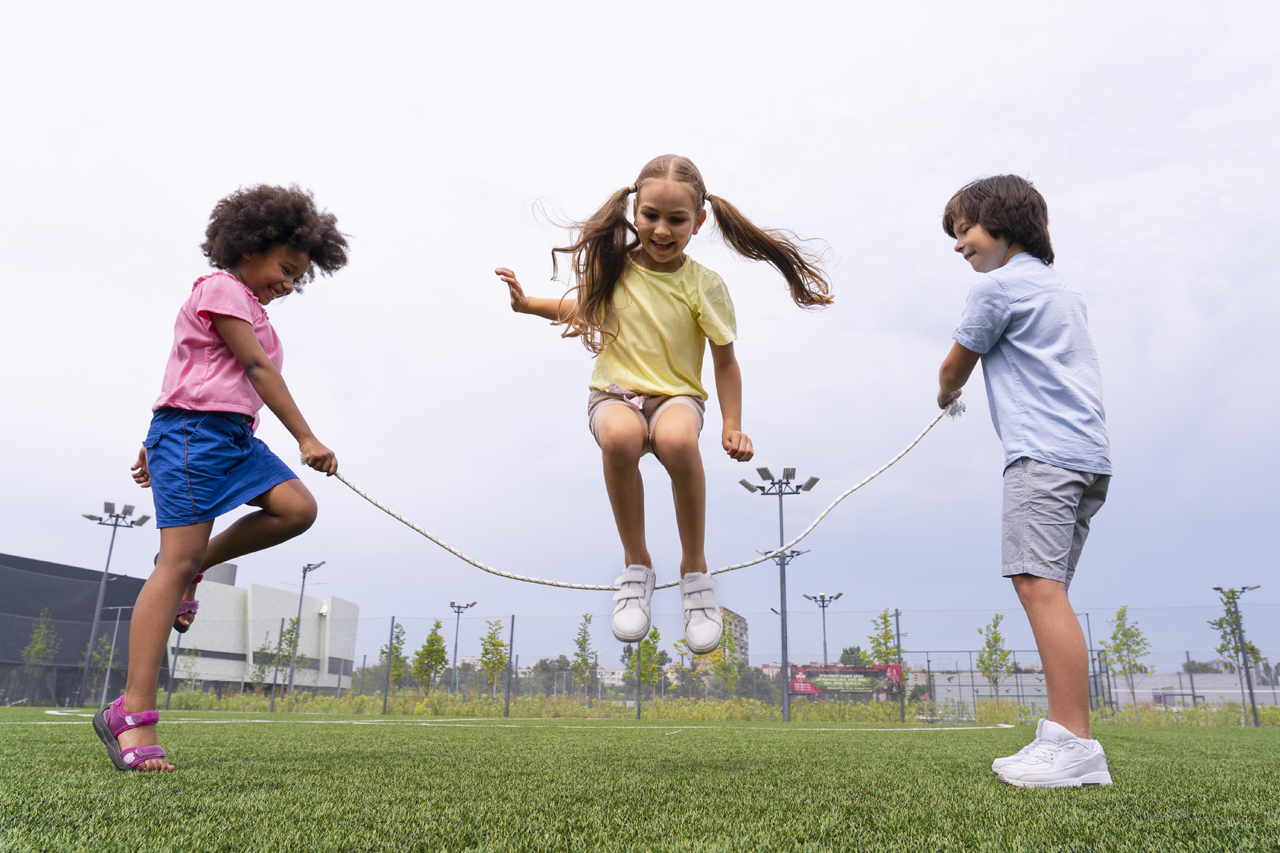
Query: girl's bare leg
x=1062 y=648
x=285 y=511
x=622 y=440
x=675 y=440
x=182 y=551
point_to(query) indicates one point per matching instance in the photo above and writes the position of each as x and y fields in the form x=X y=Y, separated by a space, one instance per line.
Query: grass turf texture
x=311 y=782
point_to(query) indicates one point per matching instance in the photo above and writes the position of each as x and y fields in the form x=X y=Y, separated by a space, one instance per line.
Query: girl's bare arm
x=270 y=386
x=729 y=390
x=555 y=310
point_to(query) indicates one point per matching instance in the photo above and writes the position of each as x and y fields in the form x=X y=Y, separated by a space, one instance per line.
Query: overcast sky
x=434 y=132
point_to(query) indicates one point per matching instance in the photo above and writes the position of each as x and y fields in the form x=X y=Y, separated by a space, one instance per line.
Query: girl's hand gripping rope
x=317 y=456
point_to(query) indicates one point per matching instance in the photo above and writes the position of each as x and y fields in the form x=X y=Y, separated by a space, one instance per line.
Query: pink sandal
x=112 y=721
x=187 y=606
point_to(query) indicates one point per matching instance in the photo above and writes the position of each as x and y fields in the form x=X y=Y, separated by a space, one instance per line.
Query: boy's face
x=983 y=252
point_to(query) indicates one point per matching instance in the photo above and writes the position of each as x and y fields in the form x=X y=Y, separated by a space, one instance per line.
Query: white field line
x=482 y=722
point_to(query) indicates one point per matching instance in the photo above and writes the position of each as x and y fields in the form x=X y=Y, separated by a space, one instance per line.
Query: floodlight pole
x=1244 y=650
x=111 y=657
x=824 y=602
x=511 y=644
x=902 y=687
x=297 y=640
x=457 y=623
x=114 y=520
x=782 y=488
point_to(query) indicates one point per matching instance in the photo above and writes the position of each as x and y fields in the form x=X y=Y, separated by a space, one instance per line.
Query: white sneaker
x=631 y=617
x=1058 y=759
x=1010 y=759
x=703 y=624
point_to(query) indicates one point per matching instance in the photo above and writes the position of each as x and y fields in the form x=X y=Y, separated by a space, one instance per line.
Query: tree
x=648 y=660
x=1229 y=645
x=98 y=666
x=852 y=656
x=493 y=655
x=1123 y=649
x=724 y=662
x=584 y=666
x=289 y=648
x=399 y=664
x=884 y=647
x=1196 y=667
x=44 y=643
x=264 y=659
x=993 y=659
x=686 y=676
x=430 y=660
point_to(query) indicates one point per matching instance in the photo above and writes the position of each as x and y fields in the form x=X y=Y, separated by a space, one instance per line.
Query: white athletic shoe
x=631 y=616
x=703 y=624
x=1058 y=759
x=1010 y=759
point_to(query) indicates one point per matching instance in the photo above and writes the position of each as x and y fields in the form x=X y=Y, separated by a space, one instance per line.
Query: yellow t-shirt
x=662 y=321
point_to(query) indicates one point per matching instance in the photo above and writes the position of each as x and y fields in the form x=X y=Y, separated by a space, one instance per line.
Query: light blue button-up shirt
x=1043 y=382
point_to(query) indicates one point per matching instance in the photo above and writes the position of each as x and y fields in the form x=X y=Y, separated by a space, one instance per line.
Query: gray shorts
x=1046 y=517
x=648 y=415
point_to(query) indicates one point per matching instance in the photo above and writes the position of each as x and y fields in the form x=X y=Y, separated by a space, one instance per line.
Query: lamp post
x=824 y=602
x=297 y=639
x=782 y=488
x=114 y=520
x=457 y=623
x=1244 y=650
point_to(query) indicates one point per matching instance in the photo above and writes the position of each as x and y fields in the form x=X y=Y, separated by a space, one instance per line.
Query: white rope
x=954 y=410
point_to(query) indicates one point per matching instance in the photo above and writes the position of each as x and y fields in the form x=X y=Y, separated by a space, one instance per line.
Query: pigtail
x=597 y=258
x=781 y=249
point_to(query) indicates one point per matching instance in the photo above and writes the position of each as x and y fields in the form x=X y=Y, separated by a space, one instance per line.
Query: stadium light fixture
x=782 y=488
x=114 y=520
x=458 y=610
x=141 y=520
x=824 y=601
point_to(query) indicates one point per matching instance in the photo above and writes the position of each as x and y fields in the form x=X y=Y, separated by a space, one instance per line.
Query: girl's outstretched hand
x=737 y=445
x=519 y=302
x=141 y=475
x=316 y=455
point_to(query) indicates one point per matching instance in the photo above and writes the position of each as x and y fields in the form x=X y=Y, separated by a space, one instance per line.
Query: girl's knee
x=679 y=451
x=303 y=511
x=622 y=445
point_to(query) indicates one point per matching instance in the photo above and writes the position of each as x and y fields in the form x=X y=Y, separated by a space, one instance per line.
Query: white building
x=237 y=630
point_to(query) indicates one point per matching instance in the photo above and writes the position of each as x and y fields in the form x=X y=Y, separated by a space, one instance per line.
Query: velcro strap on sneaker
x=135 y=755
x=632 y=576
x=698 y=582
x=697 y=602
x=628 y=592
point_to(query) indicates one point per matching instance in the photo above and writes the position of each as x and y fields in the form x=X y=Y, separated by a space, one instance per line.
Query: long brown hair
x=601 y=244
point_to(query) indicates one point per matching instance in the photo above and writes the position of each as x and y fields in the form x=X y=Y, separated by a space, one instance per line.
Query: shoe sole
x=637 y=638
x=109 y=740
x=704 y=650
x=1088 y=779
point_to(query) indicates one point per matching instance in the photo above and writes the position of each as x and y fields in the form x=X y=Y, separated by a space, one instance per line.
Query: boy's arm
x=955 y=371
x=729 y=391
x=555 y=310
x=270 y=386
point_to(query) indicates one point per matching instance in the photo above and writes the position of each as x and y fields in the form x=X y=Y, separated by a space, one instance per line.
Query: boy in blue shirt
x=1030 y=330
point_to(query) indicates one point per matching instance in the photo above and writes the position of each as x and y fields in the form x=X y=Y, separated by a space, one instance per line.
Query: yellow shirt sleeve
x=715 y=309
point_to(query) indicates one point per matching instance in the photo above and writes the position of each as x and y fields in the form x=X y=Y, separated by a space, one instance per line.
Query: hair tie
x=706 y=196
x=631 y=189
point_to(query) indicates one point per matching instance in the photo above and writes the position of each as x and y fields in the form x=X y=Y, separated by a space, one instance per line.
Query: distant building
x=735 y=624
x=237 y=631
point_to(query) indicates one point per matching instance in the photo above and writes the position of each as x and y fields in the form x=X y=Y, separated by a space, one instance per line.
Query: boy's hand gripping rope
x=954 y=410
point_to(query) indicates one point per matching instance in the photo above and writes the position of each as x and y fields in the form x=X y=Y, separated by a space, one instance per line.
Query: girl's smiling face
x=667 y=216
x=271 y=274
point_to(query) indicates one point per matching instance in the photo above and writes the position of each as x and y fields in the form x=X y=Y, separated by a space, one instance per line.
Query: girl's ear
x=699 y=219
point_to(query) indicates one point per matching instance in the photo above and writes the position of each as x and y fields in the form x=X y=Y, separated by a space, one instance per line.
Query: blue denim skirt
x=205 y=464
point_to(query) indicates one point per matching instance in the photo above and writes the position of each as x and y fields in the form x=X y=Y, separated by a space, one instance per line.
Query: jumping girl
x=646 y=310
x=200 y=457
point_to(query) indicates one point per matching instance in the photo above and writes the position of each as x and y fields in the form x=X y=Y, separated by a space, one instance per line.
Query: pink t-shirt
x=203 y=374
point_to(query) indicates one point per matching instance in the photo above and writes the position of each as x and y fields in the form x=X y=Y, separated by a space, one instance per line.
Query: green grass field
x=297 y=782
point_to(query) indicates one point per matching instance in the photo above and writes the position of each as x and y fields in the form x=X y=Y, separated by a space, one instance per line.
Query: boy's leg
x=675 y=442
x=182 y=552
x=622 y=436
x=1062 y=648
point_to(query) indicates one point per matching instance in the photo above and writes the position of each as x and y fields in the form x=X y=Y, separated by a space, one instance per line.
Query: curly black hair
x=253 y=220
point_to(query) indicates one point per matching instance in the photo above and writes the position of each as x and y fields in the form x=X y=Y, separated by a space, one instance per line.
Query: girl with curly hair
x=646 y=311
x=200 y=457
